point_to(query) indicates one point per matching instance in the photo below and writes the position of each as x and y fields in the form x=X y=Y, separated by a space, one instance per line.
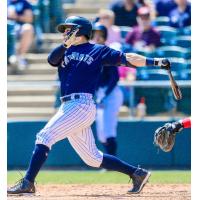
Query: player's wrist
x=149 y=61
x=158 y=62
x=177 y=126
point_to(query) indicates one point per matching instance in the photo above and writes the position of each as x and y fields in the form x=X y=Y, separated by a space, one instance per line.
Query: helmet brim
x=62 y=27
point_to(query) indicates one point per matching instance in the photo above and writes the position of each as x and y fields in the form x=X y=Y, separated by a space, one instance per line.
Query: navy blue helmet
x=84 y=25
x=99 y=27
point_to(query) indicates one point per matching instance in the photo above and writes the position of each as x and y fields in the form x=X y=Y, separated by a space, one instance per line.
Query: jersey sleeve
x=56 y=56
x=111 y=57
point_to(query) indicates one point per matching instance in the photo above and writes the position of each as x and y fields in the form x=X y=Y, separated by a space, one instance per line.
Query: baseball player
x=79 y=65
x=164 y=136
x=109 y=98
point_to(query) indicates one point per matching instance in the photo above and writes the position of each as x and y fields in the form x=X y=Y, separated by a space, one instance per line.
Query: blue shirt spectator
x=164 y=7
x=21 y=13
x=125 y=12
x=181 y=16
x=18 y=7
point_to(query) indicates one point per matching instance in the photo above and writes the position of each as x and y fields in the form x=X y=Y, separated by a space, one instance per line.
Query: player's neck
x=80 y=40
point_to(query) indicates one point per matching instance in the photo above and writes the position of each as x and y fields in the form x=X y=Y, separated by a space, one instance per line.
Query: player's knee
x=95 y=160
x=44 y=138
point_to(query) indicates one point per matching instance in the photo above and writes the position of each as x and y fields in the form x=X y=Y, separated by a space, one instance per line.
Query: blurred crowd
x=157 y=28
x=143 y=26
x=26 y=21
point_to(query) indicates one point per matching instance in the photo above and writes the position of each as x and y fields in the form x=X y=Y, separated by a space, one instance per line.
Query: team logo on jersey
x=77 y=56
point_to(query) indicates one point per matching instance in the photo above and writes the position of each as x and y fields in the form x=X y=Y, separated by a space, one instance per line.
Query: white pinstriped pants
x=106 y=117
x=73 y=121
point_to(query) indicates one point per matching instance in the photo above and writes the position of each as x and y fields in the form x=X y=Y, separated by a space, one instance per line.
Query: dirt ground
x=108 y=192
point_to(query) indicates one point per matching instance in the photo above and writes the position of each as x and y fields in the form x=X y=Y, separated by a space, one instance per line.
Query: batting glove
x=164 y=63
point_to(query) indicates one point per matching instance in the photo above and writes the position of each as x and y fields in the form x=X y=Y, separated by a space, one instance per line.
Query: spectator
x=181 y=16
x=164 y=7
x=125 y=12
x=143 y=36
x=106 y=18
x=20 y=12
x=141 y=3
x=11 y=53
x=109 y=98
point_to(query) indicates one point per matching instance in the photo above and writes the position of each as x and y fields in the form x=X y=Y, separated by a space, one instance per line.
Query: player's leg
x=71 y=117
x=84 y=145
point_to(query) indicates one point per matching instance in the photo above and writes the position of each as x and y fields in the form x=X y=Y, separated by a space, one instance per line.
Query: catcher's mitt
x=164 y=136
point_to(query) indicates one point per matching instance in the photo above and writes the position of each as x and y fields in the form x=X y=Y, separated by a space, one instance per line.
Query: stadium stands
x=38 y=101
x=173 y=51
x=161 y=21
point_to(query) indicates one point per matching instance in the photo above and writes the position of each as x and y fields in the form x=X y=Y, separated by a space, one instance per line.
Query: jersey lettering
x=78 y=57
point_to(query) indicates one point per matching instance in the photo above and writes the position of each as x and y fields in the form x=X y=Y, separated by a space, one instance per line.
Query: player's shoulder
x=99 y=46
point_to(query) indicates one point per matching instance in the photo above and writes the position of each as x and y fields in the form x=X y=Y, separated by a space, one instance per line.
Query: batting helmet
x=99 y=27
x=84 y=25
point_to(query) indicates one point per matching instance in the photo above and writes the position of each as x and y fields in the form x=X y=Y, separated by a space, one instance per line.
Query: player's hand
x=164 y=63
x=70 y=38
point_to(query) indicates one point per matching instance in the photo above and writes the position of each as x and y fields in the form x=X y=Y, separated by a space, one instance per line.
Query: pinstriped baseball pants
x=73 y=121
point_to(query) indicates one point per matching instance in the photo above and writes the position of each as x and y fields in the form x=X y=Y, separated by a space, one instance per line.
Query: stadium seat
x=184 y=74
x=11 y=38
x=168 y=34
x=146 y=53
x=185 y=31
x=173 y=51
x=153 y=74
x=127 y=48
x=161 y=21
x=124 y=31
x=37 y=26
x=178 y=64
x=184 y=41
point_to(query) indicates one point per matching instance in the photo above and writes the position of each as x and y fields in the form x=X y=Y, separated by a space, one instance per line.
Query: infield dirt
x=108 y=192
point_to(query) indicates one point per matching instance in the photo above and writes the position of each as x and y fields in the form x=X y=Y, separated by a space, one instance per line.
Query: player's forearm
x=55 y=57
x=136 y=60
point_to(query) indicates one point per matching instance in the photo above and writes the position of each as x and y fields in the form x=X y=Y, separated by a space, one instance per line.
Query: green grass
x=96 y=177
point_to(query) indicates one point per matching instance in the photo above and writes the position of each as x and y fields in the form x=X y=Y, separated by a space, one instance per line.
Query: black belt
x=71 y=97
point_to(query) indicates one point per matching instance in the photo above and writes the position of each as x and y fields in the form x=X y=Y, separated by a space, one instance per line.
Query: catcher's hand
x=164 y=137
x=70 y=37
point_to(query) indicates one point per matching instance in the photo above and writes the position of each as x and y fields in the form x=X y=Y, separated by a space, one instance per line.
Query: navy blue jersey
x=180 y=19
x=108 y=78
x=20 y=6
x=79 y=67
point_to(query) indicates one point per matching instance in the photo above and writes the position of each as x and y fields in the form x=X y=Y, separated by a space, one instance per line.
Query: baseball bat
x=175 y=88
